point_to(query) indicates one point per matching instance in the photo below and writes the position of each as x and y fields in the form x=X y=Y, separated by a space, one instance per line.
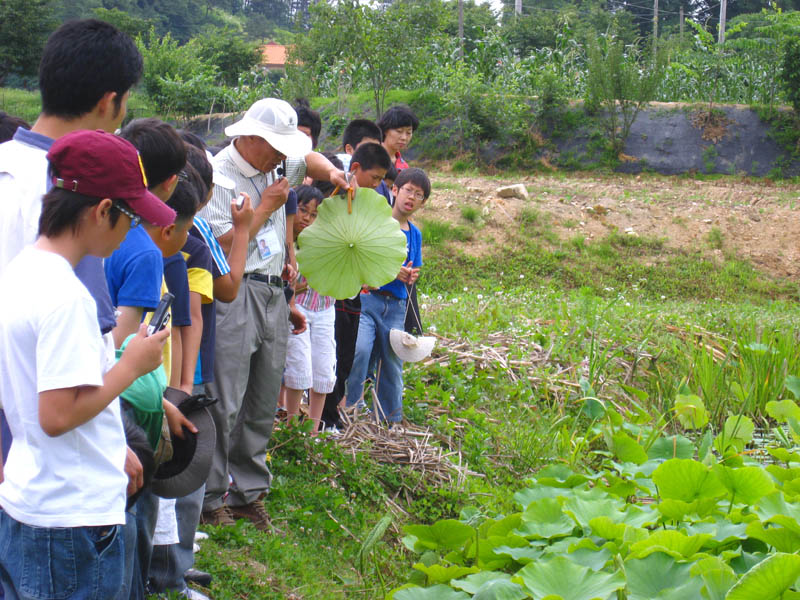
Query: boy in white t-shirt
x=63 y=496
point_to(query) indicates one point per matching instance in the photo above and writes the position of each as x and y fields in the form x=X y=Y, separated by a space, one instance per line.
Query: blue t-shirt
x=177 y=277
x=414 y=244
x=384 y=191
x=134 y=271
x=90 y=269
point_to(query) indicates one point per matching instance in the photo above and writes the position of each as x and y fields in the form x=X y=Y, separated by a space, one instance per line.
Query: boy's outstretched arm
x=63 y=410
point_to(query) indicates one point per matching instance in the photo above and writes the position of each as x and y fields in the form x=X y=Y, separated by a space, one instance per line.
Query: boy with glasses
x=63 y=497
x=384 y=309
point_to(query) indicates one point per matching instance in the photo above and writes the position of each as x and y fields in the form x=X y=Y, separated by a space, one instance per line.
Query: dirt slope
x=757 y=220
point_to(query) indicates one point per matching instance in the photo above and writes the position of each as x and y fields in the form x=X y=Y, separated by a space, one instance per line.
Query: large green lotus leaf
x=502 y=526
x=774 y=505
x=746 y=485
x=544 y=519
x=674 y=446
x=472 y=583
x=500 y=589
x=686 y=480
x=585 y=553
x=437 y=592
x=648 y=577
x=782 y=410
x=792 y=384
x=735 y=435
x=741 y=562
x=562 y=577
x=780 y=538
x=628 y=449
x=783 y=474
x=784 y=455
x=669 y=541
x=606 y=528
x=523 y=554
x=768 y=580
x=447 y=534
x=340 y=252
x=443 y=574
x=721 y=531
x=690 y=588
x=717 y=577
x=528 y=495
x=691 y=411
x=489 y=556
x=678 y=510
x=560 y=476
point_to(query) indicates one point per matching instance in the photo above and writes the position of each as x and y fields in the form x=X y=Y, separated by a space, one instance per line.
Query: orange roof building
x=273 y=56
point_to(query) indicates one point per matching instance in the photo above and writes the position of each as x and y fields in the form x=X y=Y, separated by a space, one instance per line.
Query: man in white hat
x=253 y=329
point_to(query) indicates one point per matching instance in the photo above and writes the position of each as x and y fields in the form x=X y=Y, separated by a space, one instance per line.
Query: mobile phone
x=240 y=201
x=282 y=169
x=160 y=316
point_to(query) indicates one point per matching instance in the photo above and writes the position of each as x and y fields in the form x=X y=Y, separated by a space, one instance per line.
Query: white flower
x=432 y=328
x=663 y=297
x=480 y=296
x=424 y=307
x=466 y=289
x=455 y=300
x=521 y=276
x=627 y=304
x=439 y=297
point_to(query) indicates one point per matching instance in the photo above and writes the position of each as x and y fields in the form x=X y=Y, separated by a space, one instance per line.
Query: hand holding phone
x=161 y=314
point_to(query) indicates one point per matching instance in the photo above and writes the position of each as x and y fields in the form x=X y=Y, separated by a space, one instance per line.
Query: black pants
x=413 y=316
x=345 y=331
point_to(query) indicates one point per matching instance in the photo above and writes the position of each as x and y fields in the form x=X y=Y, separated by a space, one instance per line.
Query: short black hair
x=308 y=118
x=326 y=187
x=192 y=139
x=81 y=62
x=415 y=176
x=391 y=173
x=370 y=156
x=161 y=148
x=186 y=198
x=396 y=117
x=197 y=158
x=308 y=193
x=357 y=130
x=63 y=210
x=9 y=125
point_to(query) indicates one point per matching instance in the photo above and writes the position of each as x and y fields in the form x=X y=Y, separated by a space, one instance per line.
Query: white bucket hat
x=275 y=121
x=410 y=348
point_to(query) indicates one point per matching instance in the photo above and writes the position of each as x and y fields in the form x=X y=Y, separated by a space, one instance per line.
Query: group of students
x=97 y=225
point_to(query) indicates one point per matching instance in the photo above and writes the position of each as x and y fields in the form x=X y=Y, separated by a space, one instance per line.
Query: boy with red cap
x=64 y=491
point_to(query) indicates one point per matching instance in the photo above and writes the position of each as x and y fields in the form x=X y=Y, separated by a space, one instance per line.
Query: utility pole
x=723 y=8
x=518 y=7
x=461 y=28
x=681 y=17
x=655 y=25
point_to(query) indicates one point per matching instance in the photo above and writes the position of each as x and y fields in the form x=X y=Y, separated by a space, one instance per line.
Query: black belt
x=268 y=279
x=385 y=293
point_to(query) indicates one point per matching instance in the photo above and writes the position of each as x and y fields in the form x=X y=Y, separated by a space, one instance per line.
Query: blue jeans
x=379 y=314
x=75 y=563
x=169 y=563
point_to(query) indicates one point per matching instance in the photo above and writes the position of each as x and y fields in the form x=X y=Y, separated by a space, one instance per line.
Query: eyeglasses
x=135 y=219
x=418 y=196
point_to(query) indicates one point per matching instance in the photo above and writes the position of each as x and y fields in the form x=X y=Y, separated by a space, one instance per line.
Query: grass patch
x=434 y=232
x=470 y=214
x=715 y=238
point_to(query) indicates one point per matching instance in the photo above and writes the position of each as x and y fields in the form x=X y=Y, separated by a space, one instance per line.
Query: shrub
x=790 y=75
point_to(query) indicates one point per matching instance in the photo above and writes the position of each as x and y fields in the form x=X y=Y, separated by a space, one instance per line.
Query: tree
x=620 y=81
x=228 y=50
x=131 y=25
x=350 y=44
x=24 y=27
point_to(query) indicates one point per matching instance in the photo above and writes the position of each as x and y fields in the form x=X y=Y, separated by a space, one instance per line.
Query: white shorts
x=311 y=356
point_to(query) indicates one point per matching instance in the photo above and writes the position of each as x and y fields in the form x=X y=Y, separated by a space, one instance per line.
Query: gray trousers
x=250 y=354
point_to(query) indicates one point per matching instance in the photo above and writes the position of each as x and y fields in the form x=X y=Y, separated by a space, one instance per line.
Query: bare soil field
x=757 y=220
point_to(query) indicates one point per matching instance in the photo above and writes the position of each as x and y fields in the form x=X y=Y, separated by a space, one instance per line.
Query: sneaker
x=199 y=536
x=332 y=431
x=199 y=577
x=218 y=516
x=191 y=594
x=195 y=548
x=255 y=512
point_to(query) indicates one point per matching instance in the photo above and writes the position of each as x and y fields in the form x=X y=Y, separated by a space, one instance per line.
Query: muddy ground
x=757 y=220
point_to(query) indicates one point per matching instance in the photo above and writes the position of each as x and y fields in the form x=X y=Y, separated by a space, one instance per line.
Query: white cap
x=275 y=121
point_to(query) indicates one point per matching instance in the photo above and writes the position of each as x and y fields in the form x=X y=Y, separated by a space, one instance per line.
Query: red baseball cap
x=102 y=165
